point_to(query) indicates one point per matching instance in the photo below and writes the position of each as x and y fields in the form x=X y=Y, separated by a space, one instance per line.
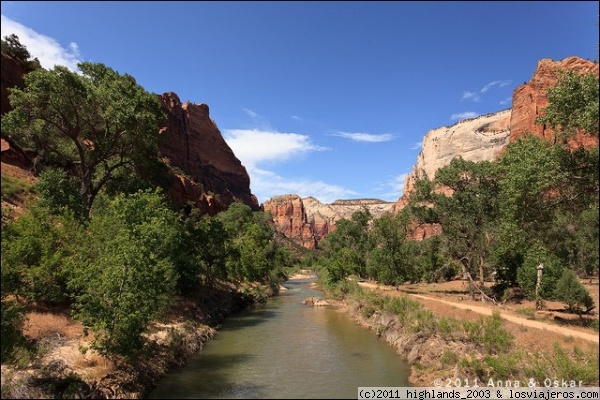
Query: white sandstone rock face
x=476 y=139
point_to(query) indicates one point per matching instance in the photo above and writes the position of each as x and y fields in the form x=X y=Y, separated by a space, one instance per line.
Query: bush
x=571 y=291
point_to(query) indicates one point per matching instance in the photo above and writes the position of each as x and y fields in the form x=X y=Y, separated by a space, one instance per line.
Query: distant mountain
x=307 y=221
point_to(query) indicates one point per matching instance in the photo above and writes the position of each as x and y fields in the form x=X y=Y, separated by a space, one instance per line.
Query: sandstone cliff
x=475 y=139
x=530 y=99
x=307 y=221
x=205 y=170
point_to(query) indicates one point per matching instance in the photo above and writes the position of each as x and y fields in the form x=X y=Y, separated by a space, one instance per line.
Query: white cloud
x=507 y=100
x=250 y=112
x=365 y=137
x=297 y=118
x=417 y=145
x=253 y=146
x=45 y=48
x=464 y=115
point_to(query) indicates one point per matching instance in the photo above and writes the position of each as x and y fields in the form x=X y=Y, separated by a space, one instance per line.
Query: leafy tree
x=252 y=252
x=535 y=255
x=389 y=261
x=572 y=105
x=59 y=192
x=350 y=244
x=126 y=276
x=94 y=124
x=205 y=252
x=468 y=215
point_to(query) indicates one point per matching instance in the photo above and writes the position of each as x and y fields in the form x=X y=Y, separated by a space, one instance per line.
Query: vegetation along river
x=285 y=349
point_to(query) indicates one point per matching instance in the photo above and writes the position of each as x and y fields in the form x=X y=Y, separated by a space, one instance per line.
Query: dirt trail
x=488 y=311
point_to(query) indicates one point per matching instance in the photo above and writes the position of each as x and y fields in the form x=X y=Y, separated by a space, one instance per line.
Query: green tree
x=572 y=105
x=389 y=261
x=95 y=124
x=125 y=276
x=350 y=244
x=467 y=215
x=59 y=192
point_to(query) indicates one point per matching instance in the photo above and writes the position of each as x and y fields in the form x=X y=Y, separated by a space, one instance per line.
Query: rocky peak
x=530 y=99
x=204 y=169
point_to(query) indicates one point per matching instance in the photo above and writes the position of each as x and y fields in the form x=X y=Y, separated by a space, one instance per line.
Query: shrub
x=571 y=291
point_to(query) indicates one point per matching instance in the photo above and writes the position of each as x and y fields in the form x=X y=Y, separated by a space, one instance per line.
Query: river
x=285 y=349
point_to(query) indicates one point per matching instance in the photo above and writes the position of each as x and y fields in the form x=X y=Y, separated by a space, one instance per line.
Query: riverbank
x=451 y=344
x=60 y=369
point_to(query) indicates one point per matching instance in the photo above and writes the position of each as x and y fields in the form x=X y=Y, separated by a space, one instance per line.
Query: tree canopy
x=94 y=124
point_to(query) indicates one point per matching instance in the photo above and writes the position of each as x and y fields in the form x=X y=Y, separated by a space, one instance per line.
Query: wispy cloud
x=365 y=137
x=251 y=113
x=471 y=96
x=476 y=95
x=392 y=189
x=297 y=118
x=417 y=145
x=464 y=115
x=507 y=100
x=47 y=50
x=494 y=83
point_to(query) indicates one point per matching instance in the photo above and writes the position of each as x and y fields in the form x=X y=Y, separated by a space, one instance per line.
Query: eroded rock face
x=476 y=139
x=307 y=221
x=529 y=99
x=289 y=217
x=205 y=170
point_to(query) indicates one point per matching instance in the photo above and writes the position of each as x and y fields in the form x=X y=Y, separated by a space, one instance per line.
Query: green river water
x=285 y=349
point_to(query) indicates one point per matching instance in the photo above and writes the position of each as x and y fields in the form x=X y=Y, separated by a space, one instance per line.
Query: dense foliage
x=96 y=124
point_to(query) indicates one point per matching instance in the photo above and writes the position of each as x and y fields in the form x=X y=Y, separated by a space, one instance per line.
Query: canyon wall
x=530 y=99
x=204 y=169
x=307 y=221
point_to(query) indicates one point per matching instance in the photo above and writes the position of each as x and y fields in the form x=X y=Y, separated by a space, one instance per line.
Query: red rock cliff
x=290 y=219
x=205 y=169
x=307 y=221
x=530 y=99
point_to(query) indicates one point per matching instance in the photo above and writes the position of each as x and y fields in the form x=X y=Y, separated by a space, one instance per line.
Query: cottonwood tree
x=467 y=215
x=95 y=123
x=572 y=105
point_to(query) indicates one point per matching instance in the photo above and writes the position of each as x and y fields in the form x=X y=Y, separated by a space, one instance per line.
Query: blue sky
x=323 y=99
